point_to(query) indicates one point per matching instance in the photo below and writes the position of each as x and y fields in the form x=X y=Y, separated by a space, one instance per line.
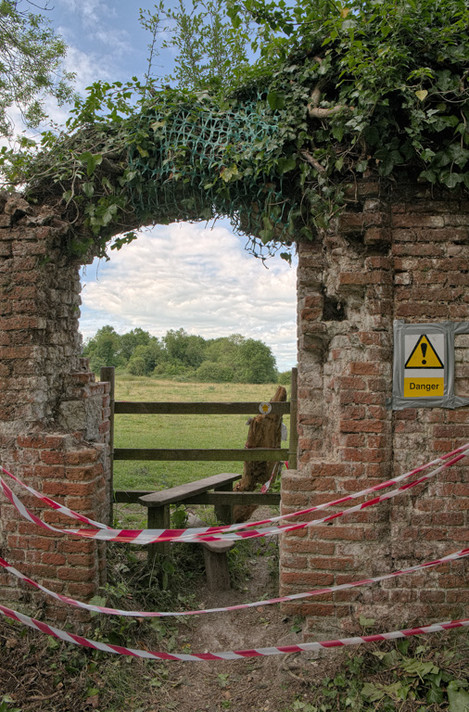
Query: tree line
x=184 y=356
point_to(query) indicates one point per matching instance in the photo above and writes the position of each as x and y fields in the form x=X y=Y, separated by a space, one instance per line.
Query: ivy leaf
x=119 y=242
x=458 y=699
x=97 y=601
x=276 y=100
x=418 y=667
x=421 y=94
x=230 y=173
x=286 y=164
x=91 y=160
x=435 y=695
x=451 y=179
x=372 y=692
x=88 y=189
x=366 y=622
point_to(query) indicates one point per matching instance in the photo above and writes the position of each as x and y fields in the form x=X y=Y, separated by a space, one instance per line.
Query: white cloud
x=197 y=278
x=88 y=67
x=90 y=11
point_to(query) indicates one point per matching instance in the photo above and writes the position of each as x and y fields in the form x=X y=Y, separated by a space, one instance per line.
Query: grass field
x=177 y=431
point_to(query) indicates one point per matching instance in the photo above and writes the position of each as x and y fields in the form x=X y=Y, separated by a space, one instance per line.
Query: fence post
x=293 y=445
x=107 y=374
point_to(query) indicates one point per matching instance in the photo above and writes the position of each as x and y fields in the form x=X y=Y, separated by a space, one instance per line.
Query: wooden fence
x=206 y=454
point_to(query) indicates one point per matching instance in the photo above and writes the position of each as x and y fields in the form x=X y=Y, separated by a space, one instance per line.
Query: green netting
x=202 y=161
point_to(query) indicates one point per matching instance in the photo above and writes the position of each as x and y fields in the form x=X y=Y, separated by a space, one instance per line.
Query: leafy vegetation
x=183 y=356
x=405 y=676
x=211 y=52
x=338 y=90
x=31 y=56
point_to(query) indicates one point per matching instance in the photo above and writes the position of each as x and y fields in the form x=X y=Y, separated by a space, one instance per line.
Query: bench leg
x=224 y=512
x=216 y=568
x=158 y=518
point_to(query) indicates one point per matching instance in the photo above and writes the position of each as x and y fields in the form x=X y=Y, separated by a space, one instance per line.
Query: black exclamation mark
x=424 y=351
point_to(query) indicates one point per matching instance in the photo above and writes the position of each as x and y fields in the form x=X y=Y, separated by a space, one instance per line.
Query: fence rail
x=203 y=454
x=195 y=408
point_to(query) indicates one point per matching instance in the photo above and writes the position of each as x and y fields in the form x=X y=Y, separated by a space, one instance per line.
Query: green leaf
x=286 y=164
x=229 y=173
x=372 y=692
x=418 y=667
x=276 y=100
x=98 y=601
x=421 y=94
x=429 y=175
x=119 y=242
x=451 y=179
x=367 y=622
x=88 y=189
x=458 y=699
x=91 y=161
x=403 y=645
x=435 y=695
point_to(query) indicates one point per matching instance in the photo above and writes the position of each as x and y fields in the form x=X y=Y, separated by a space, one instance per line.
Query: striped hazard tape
x=280 y=599
x=233 y=532
x=461 y=451
x=230 y=654
x=149 y=536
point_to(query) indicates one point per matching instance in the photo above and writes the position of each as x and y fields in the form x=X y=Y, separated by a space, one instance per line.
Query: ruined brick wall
x=403 y=254
x=396 y=254
x=54 y=419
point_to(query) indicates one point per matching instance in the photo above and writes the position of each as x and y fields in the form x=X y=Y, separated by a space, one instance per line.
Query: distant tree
x=284 y=378
x=145 y=358
x=136 y=366
x=224 y=349
x=132 y=339
x=181 y=355
x=103 y=349
x=31 y=57
x=184 y=348
x=213 y=372
x=255 y=363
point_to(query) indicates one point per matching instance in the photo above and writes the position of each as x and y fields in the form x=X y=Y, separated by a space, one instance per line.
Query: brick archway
x=395 y=254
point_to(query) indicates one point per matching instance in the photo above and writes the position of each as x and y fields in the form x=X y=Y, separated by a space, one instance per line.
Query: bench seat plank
x=181 y=492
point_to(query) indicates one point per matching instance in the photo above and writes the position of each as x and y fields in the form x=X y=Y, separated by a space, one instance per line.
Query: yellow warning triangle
x=424 y=355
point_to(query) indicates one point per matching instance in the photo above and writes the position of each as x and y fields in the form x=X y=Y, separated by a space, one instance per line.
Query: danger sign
x=424 y=366
x=424 y=355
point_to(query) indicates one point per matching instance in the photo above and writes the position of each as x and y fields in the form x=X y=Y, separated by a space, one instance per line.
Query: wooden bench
x=159 y=517
x=216 y=490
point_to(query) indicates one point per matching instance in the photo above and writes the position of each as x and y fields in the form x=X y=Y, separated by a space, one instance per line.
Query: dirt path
x=41 y=674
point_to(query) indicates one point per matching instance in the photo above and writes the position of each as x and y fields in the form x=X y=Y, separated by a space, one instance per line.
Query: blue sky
x=197 y=277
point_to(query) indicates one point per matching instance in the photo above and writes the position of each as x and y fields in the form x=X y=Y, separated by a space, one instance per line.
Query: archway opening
x=194 y=284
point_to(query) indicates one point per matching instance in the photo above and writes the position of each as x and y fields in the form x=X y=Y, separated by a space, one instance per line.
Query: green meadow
x=180 y=431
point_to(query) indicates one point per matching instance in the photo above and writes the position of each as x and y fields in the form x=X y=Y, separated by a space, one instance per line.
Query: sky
x=195 y=276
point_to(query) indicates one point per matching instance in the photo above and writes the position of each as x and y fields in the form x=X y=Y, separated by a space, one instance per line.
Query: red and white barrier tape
x=251 y=524
x=230 y=654
x=55 y=505
x=149 y=536
x=280 y=599
x=276 y=470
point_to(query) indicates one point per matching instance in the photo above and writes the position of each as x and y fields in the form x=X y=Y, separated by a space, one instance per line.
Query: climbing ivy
x=339 y=91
